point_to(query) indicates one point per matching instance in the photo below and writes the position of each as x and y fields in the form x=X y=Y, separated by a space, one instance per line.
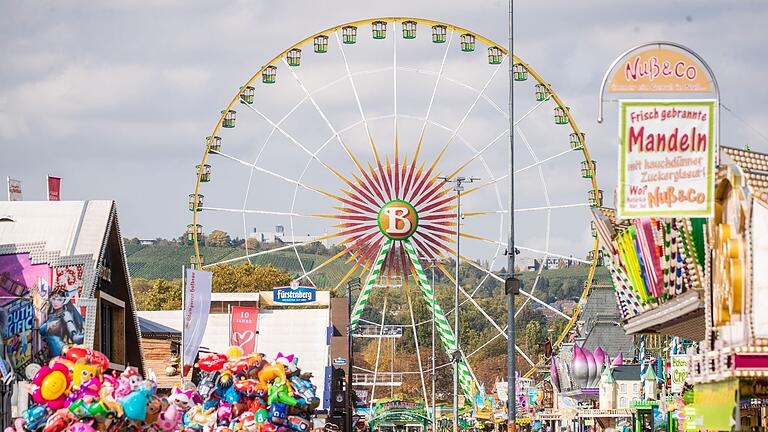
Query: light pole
x=458 y=187
x=511 y=284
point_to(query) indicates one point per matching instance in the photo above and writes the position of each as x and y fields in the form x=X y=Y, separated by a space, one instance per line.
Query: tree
x=163 y=295
x=247 y=277
x=218 y=238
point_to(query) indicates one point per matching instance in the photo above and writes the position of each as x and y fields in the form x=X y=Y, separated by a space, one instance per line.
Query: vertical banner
x=666 y=158
x=197 y=304
x=54 y=188
x=14 y=190
x=243 y=328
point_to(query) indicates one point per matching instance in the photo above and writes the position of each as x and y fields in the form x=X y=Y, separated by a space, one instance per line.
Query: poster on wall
x=759 y=272
x=18 y=318
x=666 y=158
x=243 y=328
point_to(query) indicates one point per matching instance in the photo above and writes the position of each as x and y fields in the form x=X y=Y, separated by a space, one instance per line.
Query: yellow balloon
x=53 y=385
x=234 y=353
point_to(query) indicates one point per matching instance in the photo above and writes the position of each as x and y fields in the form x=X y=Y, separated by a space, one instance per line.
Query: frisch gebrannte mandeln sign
x=666 y=158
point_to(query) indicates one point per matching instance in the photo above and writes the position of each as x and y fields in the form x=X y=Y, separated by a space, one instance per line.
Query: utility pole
x=458 y=187
x=511 y=284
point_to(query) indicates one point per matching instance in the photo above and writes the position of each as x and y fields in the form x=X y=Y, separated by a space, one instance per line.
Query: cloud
x=116 y=97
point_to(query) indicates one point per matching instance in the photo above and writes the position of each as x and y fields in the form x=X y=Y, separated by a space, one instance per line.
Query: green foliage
x=218 y=238
x=247 y=278
x=160 y=295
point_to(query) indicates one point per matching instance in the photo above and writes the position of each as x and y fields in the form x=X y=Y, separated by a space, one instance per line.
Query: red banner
x=243 y=328
x=54 y=187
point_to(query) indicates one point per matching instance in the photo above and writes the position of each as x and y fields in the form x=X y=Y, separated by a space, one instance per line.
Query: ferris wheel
x=352 y=136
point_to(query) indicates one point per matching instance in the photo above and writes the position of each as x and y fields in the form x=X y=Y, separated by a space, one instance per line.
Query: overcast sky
x=116 y=96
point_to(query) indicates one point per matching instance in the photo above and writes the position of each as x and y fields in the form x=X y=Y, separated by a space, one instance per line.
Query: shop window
x=111 y=328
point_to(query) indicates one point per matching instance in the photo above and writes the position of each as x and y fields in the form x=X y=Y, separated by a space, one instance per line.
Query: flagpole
x=183 y=294
x=9 y=187
x=48 y=187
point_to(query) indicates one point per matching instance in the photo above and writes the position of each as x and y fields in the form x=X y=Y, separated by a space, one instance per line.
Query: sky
x=116 y=97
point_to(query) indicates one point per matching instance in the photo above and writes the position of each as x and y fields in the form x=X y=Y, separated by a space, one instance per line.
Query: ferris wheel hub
x=398 y=220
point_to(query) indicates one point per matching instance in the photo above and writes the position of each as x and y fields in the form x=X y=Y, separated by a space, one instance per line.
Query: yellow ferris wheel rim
x=461 y=30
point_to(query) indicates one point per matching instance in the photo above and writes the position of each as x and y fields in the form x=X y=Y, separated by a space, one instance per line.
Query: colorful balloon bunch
x=236 y=393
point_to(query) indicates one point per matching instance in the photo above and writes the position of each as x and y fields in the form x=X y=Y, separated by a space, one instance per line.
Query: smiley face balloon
x=51 y=386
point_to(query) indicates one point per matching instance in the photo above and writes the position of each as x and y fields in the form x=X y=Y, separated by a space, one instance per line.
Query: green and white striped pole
x=441 y=323
x=357 y=312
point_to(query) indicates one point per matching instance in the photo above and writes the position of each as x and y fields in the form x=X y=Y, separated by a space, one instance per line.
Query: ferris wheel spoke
x=382 y=181
x=431 y=103
x=261 y=212
x=416 y=341
x=378 y=348
x=543 y=252
x=297 y=143
x=279 y=176
x=543 y=161
x=328 y=123
x=523 y=292
x=463 y=119
x=477 y=154
x=323 y=264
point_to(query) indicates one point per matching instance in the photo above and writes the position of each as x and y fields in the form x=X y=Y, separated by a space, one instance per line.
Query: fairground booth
x=63 y=280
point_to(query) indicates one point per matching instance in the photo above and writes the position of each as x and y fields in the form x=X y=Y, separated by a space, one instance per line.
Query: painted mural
x=38 y=312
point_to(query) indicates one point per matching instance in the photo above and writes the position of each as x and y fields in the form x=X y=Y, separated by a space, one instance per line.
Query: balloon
x=213 y=362
x=234 y=352
x=261 y=416
x=52 y=385
x=75 y=353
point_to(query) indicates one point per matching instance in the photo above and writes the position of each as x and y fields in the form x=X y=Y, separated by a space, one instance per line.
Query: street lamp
x=458 y=187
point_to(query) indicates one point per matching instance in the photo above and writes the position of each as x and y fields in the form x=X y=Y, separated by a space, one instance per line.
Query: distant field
x=165 y=262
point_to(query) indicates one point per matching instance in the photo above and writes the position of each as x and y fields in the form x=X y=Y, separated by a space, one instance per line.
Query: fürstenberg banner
x=666 y=158
x=197 y=304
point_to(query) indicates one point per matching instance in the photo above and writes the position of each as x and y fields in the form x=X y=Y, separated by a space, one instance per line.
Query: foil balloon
x=51 y=386
x=74 y=353
x=234 y=352
x=135 y=404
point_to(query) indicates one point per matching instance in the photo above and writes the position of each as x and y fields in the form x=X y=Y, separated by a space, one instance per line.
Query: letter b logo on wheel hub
x=398 y=220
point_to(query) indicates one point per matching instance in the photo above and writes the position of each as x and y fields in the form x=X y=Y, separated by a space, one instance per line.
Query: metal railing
x=382 y=379
x=374 y=331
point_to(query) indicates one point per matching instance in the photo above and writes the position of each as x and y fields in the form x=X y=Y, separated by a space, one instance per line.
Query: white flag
x=197 y=304
x=14 y=189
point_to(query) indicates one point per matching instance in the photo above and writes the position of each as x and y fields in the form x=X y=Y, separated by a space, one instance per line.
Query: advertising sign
x=657 y=69
x=294 y=294
x=18 y=333
x=54 y=188
x=14 y=190
x=666 y=158
x=243 y=328
x=678 y=370
x=197 y=304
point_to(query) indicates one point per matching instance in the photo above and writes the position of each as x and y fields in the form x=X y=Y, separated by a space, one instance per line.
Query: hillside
x=164 y=261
